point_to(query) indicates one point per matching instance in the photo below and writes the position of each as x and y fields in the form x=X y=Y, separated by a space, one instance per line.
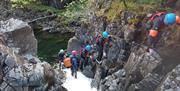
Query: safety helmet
x=170 y=18
x=178 y=19
x=74 y=52
x=105 y=34
x=61 y=51
x=88 y=47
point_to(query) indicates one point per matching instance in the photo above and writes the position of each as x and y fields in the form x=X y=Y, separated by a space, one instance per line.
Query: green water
x=49 y=45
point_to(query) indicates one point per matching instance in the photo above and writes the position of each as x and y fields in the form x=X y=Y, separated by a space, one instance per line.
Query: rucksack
x=149 y=24
x=156 y=15
x=67 y=62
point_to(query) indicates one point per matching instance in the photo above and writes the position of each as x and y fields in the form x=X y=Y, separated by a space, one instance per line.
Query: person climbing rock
x=100 y=42
x=156 y=23
x=61 y=55
x=75 y=63
x=84 y=52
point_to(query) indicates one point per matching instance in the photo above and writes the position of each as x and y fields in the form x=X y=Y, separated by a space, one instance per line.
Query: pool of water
x=49 y=45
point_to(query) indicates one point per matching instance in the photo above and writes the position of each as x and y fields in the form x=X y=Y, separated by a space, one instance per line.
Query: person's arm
x=148 y=25
x=156 y=24
x=153 y=32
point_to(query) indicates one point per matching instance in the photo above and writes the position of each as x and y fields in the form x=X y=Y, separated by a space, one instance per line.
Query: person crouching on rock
x=61 y=55
x=100 y=42
x=75 y=63
x=84 y=52
x=156 y=23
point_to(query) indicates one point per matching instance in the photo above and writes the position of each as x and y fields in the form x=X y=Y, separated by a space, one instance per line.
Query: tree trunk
x=57 y=3
x=124 y=2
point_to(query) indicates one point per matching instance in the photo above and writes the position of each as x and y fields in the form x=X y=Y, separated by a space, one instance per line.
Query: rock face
x=171 y=81
x=19 y=36
x=17 y=70
x=141 y=72
x=73 y=44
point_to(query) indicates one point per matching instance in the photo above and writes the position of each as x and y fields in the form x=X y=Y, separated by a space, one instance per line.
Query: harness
x=83 y=53
x=156 y=15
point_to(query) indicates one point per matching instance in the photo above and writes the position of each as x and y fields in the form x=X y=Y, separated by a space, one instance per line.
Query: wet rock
x=19 y=36
x=10 y=62
x=141 y=72
x=73 y=44
x=21 y=70
x=112 y=82
x=115 y=28
x=99 y=24
x=149 y=83
x=87 y=71
x=99 y=75
x=143 y=62
x=128 y=33
x=139 y=65
x=26 y=75
x=115 y=46
x=171 y=81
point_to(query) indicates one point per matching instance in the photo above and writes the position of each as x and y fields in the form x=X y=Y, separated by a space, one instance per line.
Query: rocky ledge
x=20 y=69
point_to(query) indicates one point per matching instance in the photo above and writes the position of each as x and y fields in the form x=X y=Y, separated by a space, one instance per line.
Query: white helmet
x=61 y=51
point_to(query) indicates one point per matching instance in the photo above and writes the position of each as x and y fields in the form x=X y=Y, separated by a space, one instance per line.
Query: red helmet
x=74 y=52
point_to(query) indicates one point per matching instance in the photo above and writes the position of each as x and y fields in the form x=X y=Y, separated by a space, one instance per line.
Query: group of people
x=79 y=59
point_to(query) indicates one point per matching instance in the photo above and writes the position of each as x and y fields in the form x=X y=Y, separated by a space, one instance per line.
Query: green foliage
x=21 y=3
x=71 y=12
x=149 y=1
x=117 y=6
x=135 y=6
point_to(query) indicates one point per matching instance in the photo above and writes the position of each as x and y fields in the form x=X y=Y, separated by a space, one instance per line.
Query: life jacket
x=98 y=37
x=67 y=62
x=101 y=41
x=83 y=52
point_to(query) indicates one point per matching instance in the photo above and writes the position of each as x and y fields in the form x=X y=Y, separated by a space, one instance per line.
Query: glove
x=153 y=33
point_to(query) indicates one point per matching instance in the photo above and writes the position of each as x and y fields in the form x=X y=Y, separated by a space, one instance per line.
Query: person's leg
x=72 y=71
x=86 y=62
x=83 y=62
x=156 y=40
x=60 y=65
x=100 y=55
x=151 y=42
x=75 y=72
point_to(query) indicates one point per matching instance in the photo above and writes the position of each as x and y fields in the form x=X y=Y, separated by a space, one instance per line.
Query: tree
x=124 y=2
x=59 y=4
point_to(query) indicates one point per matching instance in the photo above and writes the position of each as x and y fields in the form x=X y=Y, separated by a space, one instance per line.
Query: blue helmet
x=88 y=47
x=170 y=19
x=105 y=34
